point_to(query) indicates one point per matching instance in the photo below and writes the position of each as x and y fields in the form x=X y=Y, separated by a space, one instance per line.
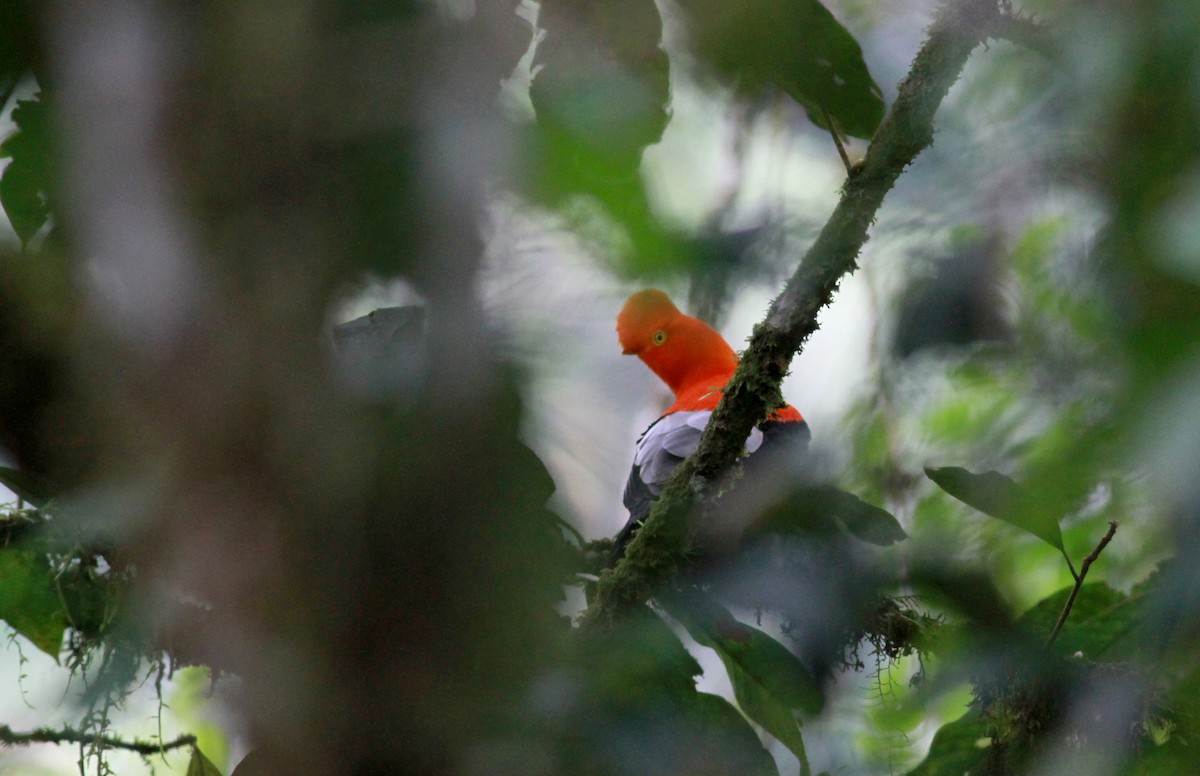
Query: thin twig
x=1083 y=570
x=10 y=737
x=837 y=141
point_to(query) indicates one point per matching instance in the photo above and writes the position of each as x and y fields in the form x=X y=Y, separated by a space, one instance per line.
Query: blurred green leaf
x=998 y=496
x=1100 y=620
x=18 y=33
x=769 y=682
x=866 y=521
x=959 y=748
x=562 y=165
x=641 y=659
x=28 y=486
x=200 y=765
x=795 y=45
x=726 y=725
x=644 y=710
x=29 y=602
x=809 y=510
x=601 y=94
x=27 y=178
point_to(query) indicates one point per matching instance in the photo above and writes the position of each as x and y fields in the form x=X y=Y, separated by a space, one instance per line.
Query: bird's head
x=645 y=321
x=683 y=351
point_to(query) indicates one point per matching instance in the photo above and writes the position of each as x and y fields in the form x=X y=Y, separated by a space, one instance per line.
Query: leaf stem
x=1070 y=567
x=837 y=141
x=1083 y=570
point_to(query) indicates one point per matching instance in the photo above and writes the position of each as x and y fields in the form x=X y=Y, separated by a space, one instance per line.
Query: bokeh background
x=372 y=559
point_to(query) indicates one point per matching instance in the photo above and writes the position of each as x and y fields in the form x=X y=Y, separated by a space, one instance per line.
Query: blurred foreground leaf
x=770 y=683
x=27 y=486
x=200 y=765
x=1100 y=620
x=998 y=496
x=795 y=45
x=723 y=717
x=25 y=180
x=958 y=748
x=29 y=602
x=811 y=509
x=645 y=715
x=601 y=93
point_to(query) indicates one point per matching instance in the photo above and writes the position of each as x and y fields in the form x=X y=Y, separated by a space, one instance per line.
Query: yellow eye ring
x=659 y=337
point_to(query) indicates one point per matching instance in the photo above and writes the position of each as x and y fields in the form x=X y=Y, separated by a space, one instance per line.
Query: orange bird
x=696 y=363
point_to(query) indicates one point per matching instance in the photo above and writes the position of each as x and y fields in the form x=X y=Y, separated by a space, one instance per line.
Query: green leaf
x=642 y=658
x=959 y=748
x=641 y=703
x=27 y=178
x=1100 y=620
x=810 y=510
x=796 y=46
x=601 y=97
x=30 y=487
x=29 y=602
x=998 y=496
x=200 y=765
x=603 y=77
x=732 y=735
x=765 y=709
x=769 y=682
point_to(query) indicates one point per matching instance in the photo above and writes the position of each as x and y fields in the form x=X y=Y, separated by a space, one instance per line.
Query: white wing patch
x=669 y=440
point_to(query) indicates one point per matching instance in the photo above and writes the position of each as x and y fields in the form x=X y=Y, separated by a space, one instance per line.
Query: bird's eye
x=660 y=337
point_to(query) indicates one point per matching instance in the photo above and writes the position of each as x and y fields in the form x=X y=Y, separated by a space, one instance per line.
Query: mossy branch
x=9 y=737
x=662 y=544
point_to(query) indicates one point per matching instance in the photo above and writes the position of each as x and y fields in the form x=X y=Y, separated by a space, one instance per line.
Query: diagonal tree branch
x=661 y=546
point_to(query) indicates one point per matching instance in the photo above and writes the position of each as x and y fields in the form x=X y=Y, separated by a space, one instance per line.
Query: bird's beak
x=628 y=352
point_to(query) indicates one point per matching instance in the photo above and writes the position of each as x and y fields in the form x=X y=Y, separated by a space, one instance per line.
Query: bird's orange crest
x=687 y=354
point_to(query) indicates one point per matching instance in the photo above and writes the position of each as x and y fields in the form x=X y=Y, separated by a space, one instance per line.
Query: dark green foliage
x=26 y=181
x=961 y=747
x=27 y=486
x=601 y=97
x=18 y=44
x=632 y=707
x=50 y=582
x=29 y=599
x=796 y=46
x=821 y=510
x=770 y=684
x=1100 y=619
